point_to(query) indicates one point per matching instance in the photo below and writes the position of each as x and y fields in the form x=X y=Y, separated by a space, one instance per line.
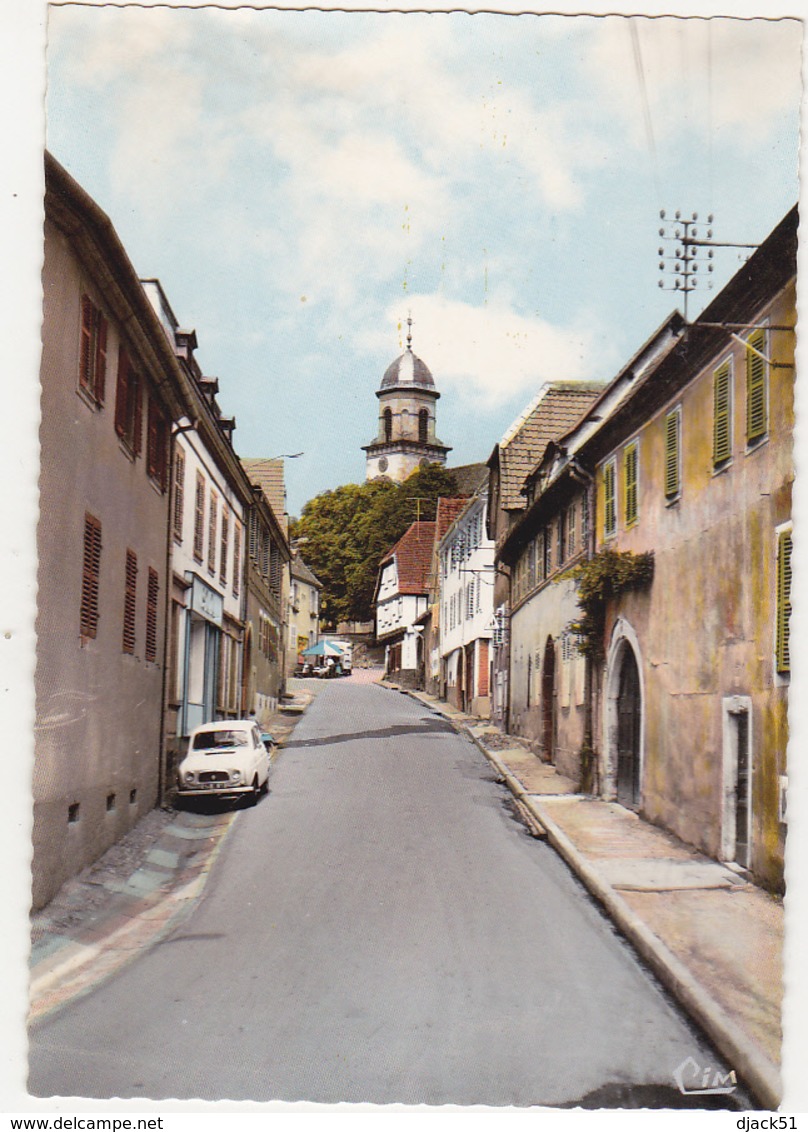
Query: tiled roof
x=301 y=571
x=553 y=414
x=447 y=512
x=268 y=475
x=468 y=477
x=413 y=555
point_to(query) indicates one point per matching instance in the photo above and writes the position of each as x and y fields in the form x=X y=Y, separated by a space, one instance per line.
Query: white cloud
x=489 y=354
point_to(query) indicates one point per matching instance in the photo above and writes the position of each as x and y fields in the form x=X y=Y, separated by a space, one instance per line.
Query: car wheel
x=252 y=797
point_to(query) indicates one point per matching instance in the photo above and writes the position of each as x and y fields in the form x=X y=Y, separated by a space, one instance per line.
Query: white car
x=226 y=759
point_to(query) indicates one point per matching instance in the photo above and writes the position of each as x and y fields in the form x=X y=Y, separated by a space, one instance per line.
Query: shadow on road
x=424 y=727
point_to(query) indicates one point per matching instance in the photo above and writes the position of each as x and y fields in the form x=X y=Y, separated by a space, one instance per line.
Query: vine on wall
x=603 y=577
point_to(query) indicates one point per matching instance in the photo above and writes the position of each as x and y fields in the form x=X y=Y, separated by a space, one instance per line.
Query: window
x=630 y=461
x=157 y=456
x=782 y=652
x=609 y=500
x=757 y=392
x=673 y=429
x=548 y=552
x=562 y=538
x=213 y=518
x=93 y=351
x=572 y=521
x=128 y=404
x=722 y=414
x=275 y=569
x=130 y=602
x=387 y=418
x=584 y=520
x=531 y=564
x=91 y=572
x=151 y=615
x=423 y=425
x=224 y=546
x=199 y=517
x=179 y=493
x=541 y=565
x=236 y=558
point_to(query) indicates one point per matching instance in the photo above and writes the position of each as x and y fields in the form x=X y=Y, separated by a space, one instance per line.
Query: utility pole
x=685 y=258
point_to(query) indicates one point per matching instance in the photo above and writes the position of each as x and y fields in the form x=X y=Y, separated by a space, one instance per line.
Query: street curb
x=152 y=919
x=756 y=1070
x=81 y=965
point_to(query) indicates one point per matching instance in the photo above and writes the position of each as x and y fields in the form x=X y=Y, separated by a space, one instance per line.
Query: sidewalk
x=713 y=939
x=134 y=895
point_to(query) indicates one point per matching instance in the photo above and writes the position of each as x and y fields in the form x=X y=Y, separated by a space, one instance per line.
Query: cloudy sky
x=300 y=182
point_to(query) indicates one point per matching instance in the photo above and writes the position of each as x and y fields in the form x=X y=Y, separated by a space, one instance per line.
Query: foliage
x=348 y=531
x=603 y=577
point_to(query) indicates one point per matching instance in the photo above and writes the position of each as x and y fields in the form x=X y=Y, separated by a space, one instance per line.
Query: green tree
x=348 y=531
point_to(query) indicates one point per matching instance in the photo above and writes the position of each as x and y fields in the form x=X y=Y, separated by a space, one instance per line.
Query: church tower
x=406 y=439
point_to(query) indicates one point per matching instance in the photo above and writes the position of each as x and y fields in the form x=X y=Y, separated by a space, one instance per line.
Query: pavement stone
x=713 y=938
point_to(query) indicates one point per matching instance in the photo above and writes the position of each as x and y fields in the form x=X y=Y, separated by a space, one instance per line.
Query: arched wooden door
x=629 y=716
x=548 y=700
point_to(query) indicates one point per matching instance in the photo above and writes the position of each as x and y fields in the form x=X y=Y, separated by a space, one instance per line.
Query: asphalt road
x=380 y=928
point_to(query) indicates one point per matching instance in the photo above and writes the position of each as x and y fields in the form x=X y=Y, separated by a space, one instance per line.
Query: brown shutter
x=122 y=392
x=179 y=492
x=199 y=517
x=101 y=358
x=136 y=393
x=86 y=352
x=91 y=571
x=151 y=615
x=130 y=602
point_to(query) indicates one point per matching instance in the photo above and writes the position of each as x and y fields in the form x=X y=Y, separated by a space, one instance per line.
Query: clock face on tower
x=382 y=463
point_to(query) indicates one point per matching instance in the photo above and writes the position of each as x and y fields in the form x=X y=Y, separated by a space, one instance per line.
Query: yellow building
x=670 y=499
x=696 y=467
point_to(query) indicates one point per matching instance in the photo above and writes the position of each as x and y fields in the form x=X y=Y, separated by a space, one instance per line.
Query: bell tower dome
x=406 y=438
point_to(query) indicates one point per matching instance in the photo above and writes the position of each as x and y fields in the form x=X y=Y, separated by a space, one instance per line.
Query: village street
x=380 y=928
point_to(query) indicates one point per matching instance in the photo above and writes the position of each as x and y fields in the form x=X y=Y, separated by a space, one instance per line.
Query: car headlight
x=189 y=777
x=235 y=776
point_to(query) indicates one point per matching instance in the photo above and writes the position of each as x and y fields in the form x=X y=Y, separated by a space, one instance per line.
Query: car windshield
x=215 y=740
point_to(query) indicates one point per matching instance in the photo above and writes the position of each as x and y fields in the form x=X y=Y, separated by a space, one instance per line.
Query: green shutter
x=609 y=508
x=783 y=601
x=721 y=415
x=630 y=483
x=672 y=442
x=757 y=422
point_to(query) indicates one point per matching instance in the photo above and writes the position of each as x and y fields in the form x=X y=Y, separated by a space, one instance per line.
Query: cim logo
x=696 y=1080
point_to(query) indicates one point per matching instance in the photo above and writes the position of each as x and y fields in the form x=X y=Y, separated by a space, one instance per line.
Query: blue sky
x=300 y=182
